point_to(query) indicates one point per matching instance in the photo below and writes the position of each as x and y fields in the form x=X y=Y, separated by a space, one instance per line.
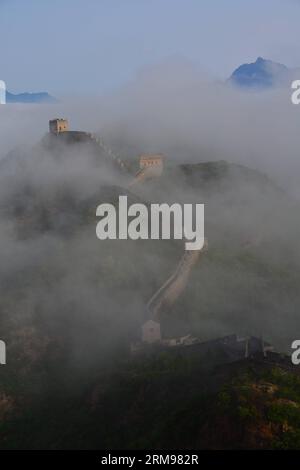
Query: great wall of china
x=151 y=166
x=170 y=291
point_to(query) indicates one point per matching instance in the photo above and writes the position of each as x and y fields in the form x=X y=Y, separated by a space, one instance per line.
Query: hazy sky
x=98 y=45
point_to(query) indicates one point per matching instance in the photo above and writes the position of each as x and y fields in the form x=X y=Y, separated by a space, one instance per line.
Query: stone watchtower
x=56 y=126
x=152 y=161
x=151 y=332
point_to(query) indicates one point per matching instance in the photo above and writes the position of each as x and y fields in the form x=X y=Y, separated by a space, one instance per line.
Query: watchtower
x=151 y=161
x=56 y=126
x=151 y=332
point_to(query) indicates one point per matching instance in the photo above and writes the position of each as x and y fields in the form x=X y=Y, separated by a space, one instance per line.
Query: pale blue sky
x=98 y=45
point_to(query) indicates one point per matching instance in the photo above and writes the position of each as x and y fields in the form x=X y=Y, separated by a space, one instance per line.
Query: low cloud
x=55 y=273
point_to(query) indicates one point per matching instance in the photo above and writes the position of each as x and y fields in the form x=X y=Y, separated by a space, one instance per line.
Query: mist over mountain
x=71 y=303
x=261 y=74
x=30 y=98
x=149 y=229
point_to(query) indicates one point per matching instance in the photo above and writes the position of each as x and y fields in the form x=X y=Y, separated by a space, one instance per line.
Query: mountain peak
x=262 y=73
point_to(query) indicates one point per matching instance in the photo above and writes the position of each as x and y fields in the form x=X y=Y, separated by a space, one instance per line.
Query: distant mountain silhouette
x=261 y=74
x=30 y=98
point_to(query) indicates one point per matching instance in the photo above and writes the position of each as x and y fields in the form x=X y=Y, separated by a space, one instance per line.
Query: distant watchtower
x=56 y=126
x=151 y=332
x=151 y=161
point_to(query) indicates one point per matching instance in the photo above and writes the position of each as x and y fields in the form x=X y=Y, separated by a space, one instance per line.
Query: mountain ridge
x=261 y=74
x=30 y=98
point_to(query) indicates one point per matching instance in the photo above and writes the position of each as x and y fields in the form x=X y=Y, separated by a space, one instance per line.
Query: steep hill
x=163 y=402
x=70 y=305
